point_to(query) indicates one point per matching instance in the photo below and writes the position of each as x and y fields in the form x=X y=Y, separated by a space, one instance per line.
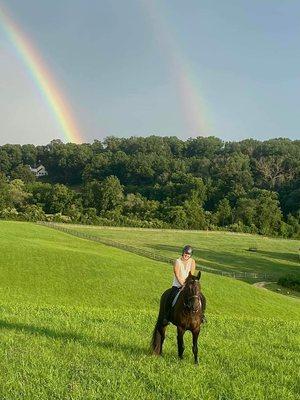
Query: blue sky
x=119 y=64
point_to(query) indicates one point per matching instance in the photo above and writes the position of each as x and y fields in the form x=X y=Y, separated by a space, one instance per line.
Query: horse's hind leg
x=180 y=333
x=195 y=345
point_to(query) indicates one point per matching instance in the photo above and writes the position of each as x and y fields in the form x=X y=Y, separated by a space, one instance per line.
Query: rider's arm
x=177 y=273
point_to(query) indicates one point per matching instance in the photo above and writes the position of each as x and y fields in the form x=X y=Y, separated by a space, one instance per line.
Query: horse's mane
x=193 y=279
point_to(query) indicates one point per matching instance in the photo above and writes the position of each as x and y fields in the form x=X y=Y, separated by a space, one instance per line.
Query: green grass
x=77 y=316
x=221 y=250
x=282 y=290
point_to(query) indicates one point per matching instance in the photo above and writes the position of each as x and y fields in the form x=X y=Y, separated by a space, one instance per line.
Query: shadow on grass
x=127 y=349
x=290 y=257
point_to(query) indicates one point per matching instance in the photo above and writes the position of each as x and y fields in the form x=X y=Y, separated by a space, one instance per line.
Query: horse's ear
x=199 y=275
x=190 y=274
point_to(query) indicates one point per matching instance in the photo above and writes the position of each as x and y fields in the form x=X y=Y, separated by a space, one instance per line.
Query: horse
x=187 y=314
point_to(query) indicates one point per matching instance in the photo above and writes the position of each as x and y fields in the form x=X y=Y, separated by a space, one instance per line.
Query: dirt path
x=261 y=285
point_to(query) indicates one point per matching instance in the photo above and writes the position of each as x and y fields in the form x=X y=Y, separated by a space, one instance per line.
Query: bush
x=290 y=281
x=33 y=213
x=58 y=217
x=9 y=213
x=237 y=227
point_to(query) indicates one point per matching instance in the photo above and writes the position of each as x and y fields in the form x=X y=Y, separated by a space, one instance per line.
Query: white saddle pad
x=175 y=299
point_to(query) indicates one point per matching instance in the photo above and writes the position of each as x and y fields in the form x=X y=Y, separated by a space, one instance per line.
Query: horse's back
x=165 y=295
x=162 y=305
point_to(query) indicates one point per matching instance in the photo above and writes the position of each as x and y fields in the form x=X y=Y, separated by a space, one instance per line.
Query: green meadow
x=77 y=317
x=227 y=251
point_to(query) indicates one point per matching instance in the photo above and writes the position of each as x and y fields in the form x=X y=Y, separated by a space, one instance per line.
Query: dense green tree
x=14 y=153
x=195 y=214
x=204 y=147
x=190 y=184
x=41 y=195
x=247 y=147
x=246 y=211
x=232 y=175
x=292 y=202
x=13 y=194
x=5 y=165
x=268 y=213
x=138 y=206
x=177 y=217
x=294 y=225
x=97 y=168
x=224 y=213
x=104 y=196
x=111 y=194
x=23 y=172
x=61 y=198
x=273 y=171
x=29 y=154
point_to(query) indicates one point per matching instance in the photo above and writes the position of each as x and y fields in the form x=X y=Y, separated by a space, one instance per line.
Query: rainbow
x=193 y=106
x=42 y=78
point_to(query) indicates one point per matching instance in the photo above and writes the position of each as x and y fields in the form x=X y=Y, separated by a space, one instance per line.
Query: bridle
x=187 y=305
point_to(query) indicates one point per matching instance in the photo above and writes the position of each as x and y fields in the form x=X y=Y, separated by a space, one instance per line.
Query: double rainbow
x=42 y=78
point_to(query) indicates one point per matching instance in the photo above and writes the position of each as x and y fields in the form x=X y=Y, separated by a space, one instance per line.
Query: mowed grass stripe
x=76 y=319
x=224 y=250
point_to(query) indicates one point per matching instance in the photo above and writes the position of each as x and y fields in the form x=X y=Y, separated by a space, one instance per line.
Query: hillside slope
x=76 y=319
x=226 y=251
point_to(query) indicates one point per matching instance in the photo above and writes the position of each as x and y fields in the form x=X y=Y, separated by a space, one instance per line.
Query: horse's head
x=191 y=292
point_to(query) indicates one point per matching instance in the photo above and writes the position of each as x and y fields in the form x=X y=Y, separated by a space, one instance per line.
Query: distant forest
x=162 y=182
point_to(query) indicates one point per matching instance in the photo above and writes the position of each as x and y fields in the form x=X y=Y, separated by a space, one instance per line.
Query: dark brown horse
x=187 y=315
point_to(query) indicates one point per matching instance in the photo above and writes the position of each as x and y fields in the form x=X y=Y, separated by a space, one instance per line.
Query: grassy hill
x=77 y=316
x=227 y=251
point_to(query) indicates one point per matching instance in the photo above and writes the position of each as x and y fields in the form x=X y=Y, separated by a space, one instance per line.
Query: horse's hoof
x=197 y=362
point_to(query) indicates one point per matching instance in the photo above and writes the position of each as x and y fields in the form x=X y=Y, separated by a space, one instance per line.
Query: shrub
x=33 y=213
x=290 y=281
x=9 y=213
x=237 y=227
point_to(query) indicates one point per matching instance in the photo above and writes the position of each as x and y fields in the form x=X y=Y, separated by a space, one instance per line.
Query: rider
x=181 y=268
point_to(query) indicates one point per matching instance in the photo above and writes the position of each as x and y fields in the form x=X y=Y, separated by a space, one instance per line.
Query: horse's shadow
x=83 y=340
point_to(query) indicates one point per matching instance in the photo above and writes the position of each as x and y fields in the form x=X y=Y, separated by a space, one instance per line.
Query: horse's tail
x=156 y=341
x=156 y=338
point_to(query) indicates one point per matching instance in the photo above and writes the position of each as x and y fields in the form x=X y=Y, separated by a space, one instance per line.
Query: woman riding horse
x=181 y=268
x=188 y=311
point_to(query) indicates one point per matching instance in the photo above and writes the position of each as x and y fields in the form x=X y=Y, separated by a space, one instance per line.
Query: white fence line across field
x=149 y=254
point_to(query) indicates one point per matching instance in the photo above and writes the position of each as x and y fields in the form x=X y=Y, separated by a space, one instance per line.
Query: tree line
x=200 y=183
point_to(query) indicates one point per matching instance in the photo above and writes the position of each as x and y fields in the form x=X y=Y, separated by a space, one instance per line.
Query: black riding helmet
x=187 y=250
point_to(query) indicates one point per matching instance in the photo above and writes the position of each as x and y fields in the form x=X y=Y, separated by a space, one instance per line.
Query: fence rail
x=151 y=254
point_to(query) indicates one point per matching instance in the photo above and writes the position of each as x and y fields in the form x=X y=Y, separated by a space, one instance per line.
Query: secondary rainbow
x=42 y=78
x=193 y=106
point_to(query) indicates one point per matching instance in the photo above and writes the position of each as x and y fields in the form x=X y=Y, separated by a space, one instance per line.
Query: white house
x=39 y=171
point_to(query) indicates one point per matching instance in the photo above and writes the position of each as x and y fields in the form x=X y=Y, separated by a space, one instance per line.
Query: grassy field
x=77 y=316
x=282 y=290
x=220 y=250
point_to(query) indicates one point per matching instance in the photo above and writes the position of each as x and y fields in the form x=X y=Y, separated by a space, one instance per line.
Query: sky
x=190 y=68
